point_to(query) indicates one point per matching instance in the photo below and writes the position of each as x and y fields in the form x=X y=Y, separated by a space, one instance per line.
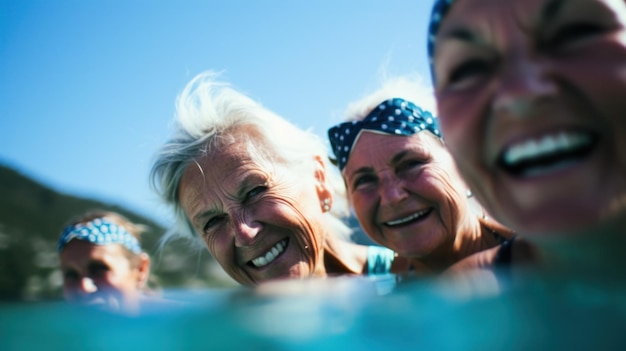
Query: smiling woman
x=256 y=189
x=103 y=264
x=531 y=96
x=403 y=184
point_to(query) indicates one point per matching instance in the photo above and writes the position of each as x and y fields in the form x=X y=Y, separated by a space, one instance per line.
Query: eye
x=213 y=222
x=469 y=69
x=97 y=269
x=409 y=165
x=70 y=275
x=573 y=32
x=363 y=180
x=255 y=191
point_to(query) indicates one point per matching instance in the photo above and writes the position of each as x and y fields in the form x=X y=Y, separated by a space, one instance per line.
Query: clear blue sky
x=87 y=87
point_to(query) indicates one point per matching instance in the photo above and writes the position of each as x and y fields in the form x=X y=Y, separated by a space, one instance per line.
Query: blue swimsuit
x=379 y=260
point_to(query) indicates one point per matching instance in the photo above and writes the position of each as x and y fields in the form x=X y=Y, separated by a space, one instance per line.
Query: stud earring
x=468 y=193
x=326 y=205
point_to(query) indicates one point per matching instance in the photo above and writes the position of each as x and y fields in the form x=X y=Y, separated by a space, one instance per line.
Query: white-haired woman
x=257 y=190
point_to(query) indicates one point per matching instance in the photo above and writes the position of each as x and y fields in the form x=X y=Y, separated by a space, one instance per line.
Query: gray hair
x=208 y=111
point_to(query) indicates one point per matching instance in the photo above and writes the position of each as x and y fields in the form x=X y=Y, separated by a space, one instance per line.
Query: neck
x=477 y=234
x=342 y=257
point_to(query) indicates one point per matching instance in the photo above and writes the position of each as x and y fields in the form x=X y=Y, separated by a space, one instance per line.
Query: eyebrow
x=395 y=159
x=461 y=34
x=241 y=193
x=551 y=9
x=198 y=219
x=399 y=156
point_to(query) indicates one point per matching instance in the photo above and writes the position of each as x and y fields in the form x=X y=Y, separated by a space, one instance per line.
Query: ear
x=144 y=270
x=321 y=182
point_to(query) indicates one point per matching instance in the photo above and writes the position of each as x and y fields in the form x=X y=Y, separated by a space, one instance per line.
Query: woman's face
x=406 y=192
x=531 y=96
x=259 y=219
x=99 y=275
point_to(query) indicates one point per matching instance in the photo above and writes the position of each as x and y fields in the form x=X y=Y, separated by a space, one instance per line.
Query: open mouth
x=270 y=255
x=547 y=154
x=415 y=217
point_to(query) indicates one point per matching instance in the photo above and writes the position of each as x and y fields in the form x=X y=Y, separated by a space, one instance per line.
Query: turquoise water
x=349 y=313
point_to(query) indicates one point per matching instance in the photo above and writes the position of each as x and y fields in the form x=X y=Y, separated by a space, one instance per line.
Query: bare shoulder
x=481 y=260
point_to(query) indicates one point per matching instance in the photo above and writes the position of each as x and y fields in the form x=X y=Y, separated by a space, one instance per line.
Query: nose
x=87 y=286
x=525 y=82
x=245 y=230
x=392 y=191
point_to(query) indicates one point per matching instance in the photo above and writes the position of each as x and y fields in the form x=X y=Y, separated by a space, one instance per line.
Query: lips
x=271 y=254
x=547 y=154
x=408 y=219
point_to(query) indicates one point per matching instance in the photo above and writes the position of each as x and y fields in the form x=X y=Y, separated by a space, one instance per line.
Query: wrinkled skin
x=408 y=196
x=249 y=205
x=512 y=73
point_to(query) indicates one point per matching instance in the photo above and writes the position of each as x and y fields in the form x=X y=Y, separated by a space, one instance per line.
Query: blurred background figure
x=531 y=96
x=257 y=190
x=403 y=184
x=103 y=263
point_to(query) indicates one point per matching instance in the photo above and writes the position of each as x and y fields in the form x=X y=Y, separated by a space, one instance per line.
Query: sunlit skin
x=508 y=72
x=247 y=205
x=390 y=178
x=102 y=275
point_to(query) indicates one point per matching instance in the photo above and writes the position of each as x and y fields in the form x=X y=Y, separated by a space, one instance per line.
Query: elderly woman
x=403 y=184
x=531 y=96
x=256 y=190
x=102 y=262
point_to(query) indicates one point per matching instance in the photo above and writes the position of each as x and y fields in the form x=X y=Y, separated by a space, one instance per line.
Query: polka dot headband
x=100 y=232
x=394 y=116
x=439 y=11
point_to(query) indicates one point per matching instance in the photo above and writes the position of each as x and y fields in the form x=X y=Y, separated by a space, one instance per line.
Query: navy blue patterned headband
x=100 y=232
x=395 y=116
x=439 y=11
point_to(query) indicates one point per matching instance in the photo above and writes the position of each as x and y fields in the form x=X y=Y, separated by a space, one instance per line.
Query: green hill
x=31 y=219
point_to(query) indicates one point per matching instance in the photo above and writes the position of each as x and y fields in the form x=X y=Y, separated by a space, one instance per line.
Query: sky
x=88 y=87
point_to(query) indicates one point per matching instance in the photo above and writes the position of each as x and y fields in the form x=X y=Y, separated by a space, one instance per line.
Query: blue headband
x=100 y=232
x=439 y=11
x=395 y=116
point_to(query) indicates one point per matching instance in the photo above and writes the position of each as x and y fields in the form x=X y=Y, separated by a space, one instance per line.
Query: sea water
x=342 y=313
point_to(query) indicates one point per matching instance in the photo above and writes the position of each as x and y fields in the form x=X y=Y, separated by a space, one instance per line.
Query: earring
x=468 y=193
x=326 y=205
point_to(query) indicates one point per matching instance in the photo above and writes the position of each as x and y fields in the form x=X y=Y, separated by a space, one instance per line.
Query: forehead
x=221 y=172
x=521 y=13
x=82 y=252
x=219 y=165
x=373 y=147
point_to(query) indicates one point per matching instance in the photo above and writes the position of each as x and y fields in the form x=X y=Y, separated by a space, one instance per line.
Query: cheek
x=463 y=118
x=440 y=183
x=362 y=205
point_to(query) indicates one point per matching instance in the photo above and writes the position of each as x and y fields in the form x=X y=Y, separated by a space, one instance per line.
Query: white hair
x=208 y=111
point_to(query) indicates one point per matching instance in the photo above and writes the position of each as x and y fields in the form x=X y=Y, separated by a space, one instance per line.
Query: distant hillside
x=31 y=218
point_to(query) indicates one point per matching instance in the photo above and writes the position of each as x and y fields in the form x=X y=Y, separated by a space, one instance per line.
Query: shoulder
x=481 y=260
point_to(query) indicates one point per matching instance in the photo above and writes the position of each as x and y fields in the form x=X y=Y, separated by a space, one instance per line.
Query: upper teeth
x=547 y=144
x=407 y=219
x=270 y=255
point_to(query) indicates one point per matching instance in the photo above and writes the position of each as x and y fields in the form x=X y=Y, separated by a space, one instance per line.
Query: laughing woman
x=403 y=184
x=531 y=96
x=256 y=190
